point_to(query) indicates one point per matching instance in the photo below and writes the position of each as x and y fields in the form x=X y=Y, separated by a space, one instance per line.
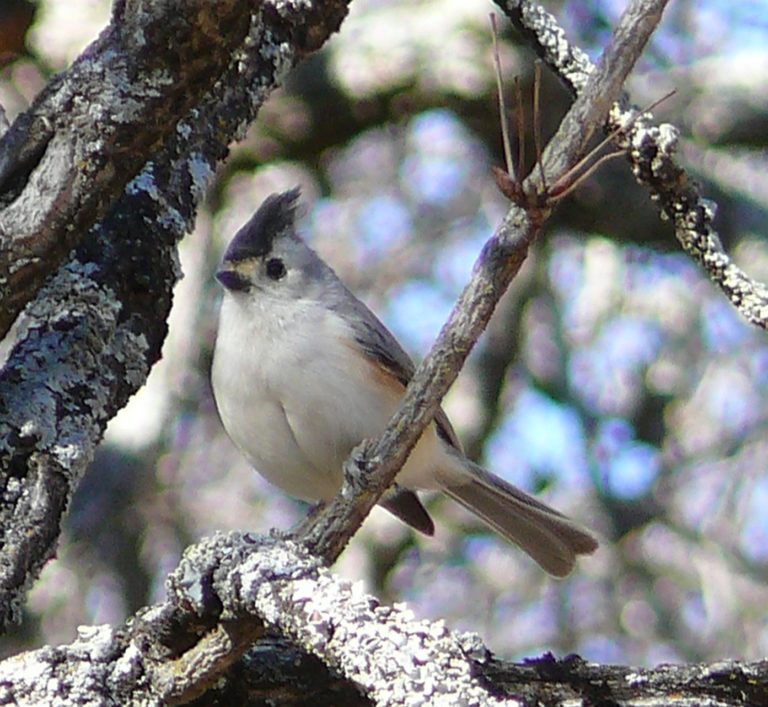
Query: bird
x=303 y=371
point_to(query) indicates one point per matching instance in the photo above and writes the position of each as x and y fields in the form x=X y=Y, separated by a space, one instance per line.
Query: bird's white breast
x=296 y=394
x=292 y=393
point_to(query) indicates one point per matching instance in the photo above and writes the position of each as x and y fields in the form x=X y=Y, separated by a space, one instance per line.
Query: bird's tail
x=550 y=538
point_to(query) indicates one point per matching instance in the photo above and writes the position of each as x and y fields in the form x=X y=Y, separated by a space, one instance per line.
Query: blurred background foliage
x=614 y=379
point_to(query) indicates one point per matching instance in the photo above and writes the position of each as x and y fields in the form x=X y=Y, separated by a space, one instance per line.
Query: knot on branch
x=220 y=576
x=358 y=478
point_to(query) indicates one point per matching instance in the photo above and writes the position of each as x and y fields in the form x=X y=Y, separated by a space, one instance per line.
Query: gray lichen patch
x=395 y=658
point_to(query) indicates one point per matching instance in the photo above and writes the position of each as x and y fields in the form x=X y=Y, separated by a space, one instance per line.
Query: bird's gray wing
x=380 y=346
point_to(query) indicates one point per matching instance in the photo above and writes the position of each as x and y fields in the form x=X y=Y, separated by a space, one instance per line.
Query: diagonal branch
x=373 y=466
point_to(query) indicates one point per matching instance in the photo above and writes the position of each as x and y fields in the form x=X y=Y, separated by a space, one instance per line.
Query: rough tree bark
x=87 y=341
x=241 y=611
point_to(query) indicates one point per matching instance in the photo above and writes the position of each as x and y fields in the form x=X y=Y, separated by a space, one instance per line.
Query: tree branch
x=651 y=150
x=87 y=342
x=93 y=127
x=380 y=652
x=373 y=466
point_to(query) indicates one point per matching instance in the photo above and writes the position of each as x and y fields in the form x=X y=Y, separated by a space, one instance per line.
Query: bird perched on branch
x=303 y=371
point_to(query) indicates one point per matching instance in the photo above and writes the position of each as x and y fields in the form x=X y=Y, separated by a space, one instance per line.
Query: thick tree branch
x=88 y=340
x=572 y=680
x=382 y=653
x=93 y=127
x=388 y=654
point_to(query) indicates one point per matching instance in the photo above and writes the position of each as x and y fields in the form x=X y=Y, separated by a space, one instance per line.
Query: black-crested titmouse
x=303 y=371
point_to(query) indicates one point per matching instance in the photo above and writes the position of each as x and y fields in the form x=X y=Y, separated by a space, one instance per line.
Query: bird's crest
x=255 y=239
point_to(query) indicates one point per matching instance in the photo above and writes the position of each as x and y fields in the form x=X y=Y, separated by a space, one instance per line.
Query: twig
x=537 y=122
x=520 y=115
x=502 y=105
x=572 y=178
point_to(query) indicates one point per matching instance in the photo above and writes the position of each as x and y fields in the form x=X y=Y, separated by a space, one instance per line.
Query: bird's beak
x=232 y=280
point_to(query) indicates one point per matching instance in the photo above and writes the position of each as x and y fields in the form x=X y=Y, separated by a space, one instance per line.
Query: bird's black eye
x=275 y=269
